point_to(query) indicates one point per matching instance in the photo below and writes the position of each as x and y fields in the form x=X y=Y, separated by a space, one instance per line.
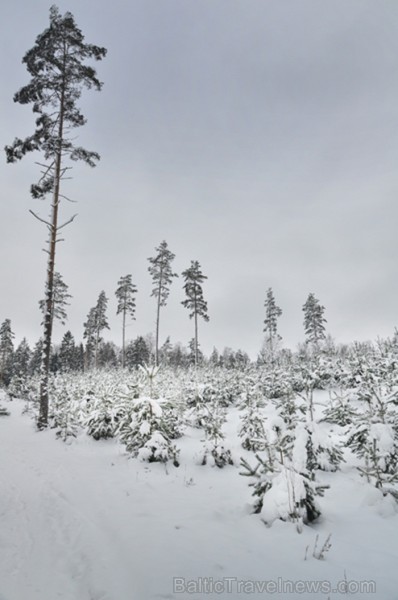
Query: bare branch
x=68 y=199
x=67 y=222
x=40 y=219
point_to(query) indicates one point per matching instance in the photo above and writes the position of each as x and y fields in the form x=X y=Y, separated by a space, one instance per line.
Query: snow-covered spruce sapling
x=340 y=410
x=377 y=445
x=306 y=381
x=252 y=429
x=147 y=432
x=149 y=374
x=199 y=410
x=374 y=435
x=276 y=382
x=285 y=488
x=62 y=411
x=103 y=415
x=326 y=449
x=215 y=453
x=289 y=408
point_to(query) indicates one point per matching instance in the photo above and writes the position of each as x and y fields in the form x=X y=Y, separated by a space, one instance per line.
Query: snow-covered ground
x=82 y=521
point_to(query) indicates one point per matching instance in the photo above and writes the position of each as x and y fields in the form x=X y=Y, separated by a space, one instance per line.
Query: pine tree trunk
x=196 y=335
x=96 y=349
x=157 y=321
x=48 y=321
x=124 y=339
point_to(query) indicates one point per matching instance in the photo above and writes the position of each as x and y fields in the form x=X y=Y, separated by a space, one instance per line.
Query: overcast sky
x=258 y=137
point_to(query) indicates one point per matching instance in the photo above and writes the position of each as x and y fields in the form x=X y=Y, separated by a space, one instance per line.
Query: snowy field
x=83 y=521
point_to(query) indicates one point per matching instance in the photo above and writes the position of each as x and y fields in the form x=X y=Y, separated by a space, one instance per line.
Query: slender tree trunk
x=157 y=320
x=157 y=335
x=196 y=340
x=48 y=321
x=124 y=338
x=96 y=349
x=271 y=348
x=196 y=335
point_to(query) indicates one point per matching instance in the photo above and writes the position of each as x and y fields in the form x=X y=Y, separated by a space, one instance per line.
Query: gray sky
x=258 y=137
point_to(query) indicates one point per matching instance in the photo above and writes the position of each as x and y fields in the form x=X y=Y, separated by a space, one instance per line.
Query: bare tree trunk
x=96 y=349
x=48 y=321
x=157 y=335
x=196 y=340
x=196 y=335
x=124 y=339
x=157 y=320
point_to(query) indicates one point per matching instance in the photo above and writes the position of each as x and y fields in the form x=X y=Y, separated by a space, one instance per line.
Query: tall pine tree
x=6 y=352
x=58 y=69
x=272 y=312
x=93 y=327
x=125 y=295
x=162 y=275
x=314 y=321
x=68 y=354
x=195 y=302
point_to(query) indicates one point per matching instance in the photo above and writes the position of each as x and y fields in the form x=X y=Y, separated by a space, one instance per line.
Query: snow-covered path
x=81 y=522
